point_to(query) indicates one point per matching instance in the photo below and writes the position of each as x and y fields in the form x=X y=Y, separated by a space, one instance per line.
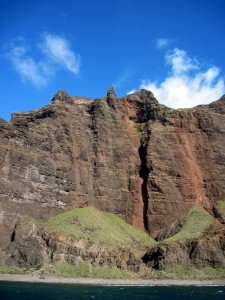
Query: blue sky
x=174 y=48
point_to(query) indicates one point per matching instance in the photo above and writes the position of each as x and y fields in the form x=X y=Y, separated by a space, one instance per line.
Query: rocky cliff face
x=130 y=156
x=197 y=240
x=206 y=251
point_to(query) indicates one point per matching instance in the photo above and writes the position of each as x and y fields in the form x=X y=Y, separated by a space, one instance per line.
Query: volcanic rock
x=130 y=156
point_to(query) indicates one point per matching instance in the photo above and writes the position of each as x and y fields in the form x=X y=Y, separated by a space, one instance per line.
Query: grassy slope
x=196 y=222
x=92 y=225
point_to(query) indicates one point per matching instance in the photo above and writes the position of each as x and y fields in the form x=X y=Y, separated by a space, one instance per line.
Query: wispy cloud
x=162 y=43
x=189 y=82
x=54 y=53
x=58 y=50
x=26 y=66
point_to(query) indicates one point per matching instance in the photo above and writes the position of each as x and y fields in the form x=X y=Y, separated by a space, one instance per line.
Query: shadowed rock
x=111 y=97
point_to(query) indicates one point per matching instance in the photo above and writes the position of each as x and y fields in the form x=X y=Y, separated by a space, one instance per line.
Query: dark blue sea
x=32 y=291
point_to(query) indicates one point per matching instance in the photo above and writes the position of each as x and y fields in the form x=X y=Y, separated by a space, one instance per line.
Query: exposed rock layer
x=130 y=156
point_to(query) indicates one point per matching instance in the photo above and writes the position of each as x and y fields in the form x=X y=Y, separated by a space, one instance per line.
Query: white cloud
x=54 y=52
x=161 y=43
x=188 y=84
x=58 y=50
x=131 y=91
x=180 y=62
x=26 y=66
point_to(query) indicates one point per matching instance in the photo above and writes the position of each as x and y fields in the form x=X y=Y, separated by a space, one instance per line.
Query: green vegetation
x=14 y=270
x=220 y=209
x=139 y=130
x=25 y=220
x=84 y=269
x=187 y=272
x=195 y=224
x=167 y=116
x=93 y=226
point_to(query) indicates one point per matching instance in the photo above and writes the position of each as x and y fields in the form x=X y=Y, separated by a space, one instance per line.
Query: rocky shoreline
x=99 y=281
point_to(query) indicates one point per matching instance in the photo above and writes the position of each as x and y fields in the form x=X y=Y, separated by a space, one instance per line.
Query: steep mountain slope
x=72 y=153
x=129 y=156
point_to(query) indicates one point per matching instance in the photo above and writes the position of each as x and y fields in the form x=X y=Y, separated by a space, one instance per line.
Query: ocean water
x=31 y=291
